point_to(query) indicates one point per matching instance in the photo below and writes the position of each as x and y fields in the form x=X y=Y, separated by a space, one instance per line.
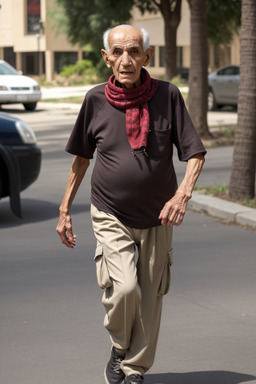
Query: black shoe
x=113 y=372
x=134 y=379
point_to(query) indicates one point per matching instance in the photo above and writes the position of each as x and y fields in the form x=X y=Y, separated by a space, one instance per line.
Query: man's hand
x=174 y=210
x=64 y=229
x=76 y=174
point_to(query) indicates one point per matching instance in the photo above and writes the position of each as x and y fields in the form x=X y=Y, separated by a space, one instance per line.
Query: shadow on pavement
x=34 y=211
x=15 y=109
x=207 y=377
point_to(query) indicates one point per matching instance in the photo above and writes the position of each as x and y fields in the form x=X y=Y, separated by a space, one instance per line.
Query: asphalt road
x=51 y=317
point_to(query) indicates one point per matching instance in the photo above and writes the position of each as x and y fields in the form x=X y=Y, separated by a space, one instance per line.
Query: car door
x=226 y=84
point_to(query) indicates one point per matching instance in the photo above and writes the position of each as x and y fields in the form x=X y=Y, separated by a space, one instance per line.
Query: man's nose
x=126 y=59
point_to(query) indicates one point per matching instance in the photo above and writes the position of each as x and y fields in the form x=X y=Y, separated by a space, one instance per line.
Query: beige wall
x=235 y=50
x=155 y=26
x=29 y=43
x=183 y=32
x=13 y=34
x=53 y=41
x=23 y=42
x=6 y=23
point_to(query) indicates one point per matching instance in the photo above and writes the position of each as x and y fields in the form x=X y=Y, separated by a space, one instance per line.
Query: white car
x=16 y=88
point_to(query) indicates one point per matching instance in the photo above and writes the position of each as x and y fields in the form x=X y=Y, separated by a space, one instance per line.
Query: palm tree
x=171 y=12
x=242 y=181
x=198 y=81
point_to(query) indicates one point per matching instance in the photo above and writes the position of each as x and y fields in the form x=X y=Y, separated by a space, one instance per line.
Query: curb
x=222 y=209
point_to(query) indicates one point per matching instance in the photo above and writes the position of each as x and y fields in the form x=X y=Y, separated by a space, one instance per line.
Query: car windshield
x=6 y=69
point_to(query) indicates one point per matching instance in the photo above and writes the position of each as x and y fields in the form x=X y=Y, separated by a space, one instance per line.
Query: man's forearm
x=75 y=178
x=175 y=209
x=194 y=168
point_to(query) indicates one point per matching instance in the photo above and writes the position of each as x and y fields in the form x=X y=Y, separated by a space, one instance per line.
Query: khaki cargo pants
x=134 y=284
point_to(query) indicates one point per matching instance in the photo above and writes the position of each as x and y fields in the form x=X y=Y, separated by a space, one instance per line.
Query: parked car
x=223 y=87
x=184 y=73
x=16 y=88
x=20 y=159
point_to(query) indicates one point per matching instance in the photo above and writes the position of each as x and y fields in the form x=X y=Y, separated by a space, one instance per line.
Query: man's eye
x=117 y=52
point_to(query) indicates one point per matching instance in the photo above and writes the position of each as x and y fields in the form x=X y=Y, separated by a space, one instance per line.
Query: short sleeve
x=185 y=136
x=81 y=142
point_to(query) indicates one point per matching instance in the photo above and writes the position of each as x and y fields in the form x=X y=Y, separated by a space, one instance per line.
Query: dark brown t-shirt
x=134 y=188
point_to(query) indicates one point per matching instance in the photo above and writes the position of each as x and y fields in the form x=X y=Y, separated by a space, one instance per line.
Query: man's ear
x=105 y=58
x=148 y=54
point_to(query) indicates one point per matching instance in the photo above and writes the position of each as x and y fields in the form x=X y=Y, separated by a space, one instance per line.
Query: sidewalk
x=219 y=208
x=224 y=210
x=62 y=92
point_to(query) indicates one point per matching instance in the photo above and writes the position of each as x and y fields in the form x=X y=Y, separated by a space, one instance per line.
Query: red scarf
x=135 y=102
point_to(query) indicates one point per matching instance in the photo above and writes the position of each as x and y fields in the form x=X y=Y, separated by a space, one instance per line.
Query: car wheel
x=30 y=106
x=212 y=105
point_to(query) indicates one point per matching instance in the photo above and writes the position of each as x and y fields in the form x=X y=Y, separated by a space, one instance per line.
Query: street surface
x=51 y=315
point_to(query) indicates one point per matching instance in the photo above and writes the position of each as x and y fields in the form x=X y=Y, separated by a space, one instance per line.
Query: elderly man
x=133 y=121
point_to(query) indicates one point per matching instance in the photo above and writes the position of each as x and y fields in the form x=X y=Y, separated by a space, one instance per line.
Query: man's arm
x=175 y=209
x=64 y=227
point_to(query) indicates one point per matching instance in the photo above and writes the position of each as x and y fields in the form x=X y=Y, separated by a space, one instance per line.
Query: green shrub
x=67 y=71
x=81 y=68
x=84 y=67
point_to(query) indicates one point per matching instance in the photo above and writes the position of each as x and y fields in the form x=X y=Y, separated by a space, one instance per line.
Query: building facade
x=154 y=24
x=29 y=43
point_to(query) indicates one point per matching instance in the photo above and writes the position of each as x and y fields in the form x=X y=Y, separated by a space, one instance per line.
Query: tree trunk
x=198 y=81
x=242 y=181
x=171 y=12
x=170 y=33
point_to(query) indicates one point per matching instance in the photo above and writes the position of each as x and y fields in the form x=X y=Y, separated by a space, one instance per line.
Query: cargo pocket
x=102 y=272
x=166 y=277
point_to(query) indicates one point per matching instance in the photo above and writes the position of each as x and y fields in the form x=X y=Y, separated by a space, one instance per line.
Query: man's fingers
x=68 y=240
x=64 y=229
x=69 y=232
x=172 y=214
x=179 y=218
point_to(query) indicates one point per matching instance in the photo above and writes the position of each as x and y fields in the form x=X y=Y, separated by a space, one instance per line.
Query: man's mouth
x=126 y=73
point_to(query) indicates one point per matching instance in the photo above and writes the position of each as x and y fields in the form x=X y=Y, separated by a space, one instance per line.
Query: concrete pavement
x=64 y=92
x=216 y=207
x=224 y=210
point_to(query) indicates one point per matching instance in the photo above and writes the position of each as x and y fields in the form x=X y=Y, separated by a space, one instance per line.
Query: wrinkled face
x=126 y=55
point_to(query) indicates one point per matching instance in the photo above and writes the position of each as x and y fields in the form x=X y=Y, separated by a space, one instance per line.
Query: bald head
x=125 y=53
x=140 y=33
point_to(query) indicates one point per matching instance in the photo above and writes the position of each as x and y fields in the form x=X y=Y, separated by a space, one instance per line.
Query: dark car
x=223 y=87
x=20 y=159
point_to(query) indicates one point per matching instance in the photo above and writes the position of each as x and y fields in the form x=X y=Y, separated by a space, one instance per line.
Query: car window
x=6 y=69
x=229 y=71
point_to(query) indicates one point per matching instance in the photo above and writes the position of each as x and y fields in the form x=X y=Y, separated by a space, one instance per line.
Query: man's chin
x=129 y=83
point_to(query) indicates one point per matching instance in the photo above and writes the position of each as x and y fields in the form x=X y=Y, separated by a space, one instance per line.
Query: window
x=10 y=56
x=179 y=52
x=229 y=71
x=64 y=58
x=30 y=63
x=33 y=17
x=161 y=56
